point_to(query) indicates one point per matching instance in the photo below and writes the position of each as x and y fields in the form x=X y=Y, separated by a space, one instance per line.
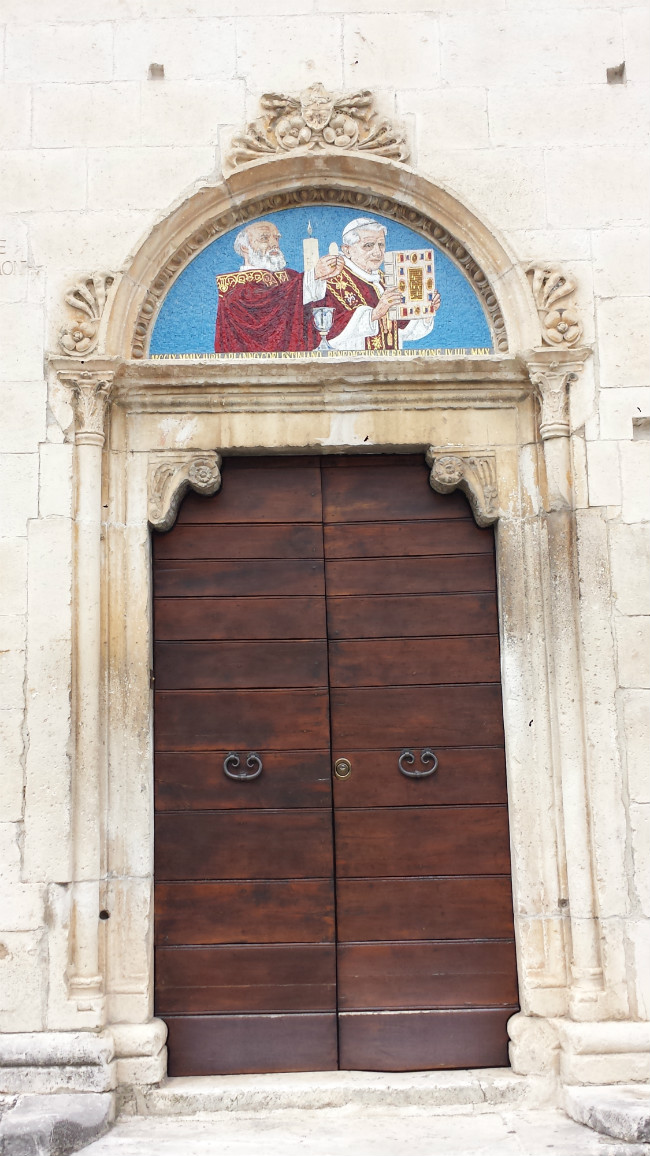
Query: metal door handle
x=343 y=768
x=426 y=756
x=232 y=760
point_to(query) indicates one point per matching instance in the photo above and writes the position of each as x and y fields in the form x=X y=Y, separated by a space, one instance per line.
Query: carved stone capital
x=90 y=393
x=88 y=299
x=553 y=290
x=474 y=474
x=317 y=121
x=551 y=376
x=171 y=474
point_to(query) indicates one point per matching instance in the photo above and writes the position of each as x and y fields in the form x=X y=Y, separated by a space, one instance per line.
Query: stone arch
x=367 y=183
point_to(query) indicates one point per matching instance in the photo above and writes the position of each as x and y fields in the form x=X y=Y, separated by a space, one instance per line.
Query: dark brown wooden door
x=312 y=598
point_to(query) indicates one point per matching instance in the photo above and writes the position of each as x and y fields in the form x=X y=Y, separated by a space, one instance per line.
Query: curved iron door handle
x=232 y=760
x=426 y=756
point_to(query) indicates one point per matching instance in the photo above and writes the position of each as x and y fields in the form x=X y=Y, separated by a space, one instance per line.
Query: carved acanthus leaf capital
x=473 y=473
x=551 y=375
x=317 y=121
x=171 y=474
x=90 y=393
x=553 y=290
x=88 y=299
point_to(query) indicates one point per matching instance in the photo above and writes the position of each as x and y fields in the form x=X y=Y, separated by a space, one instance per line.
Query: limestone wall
x=507 y=104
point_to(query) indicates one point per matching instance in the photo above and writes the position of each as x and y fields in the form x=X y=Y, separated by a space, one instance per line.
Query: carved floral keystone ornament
x=88 y=299
x=560 y=320
x=318 y=120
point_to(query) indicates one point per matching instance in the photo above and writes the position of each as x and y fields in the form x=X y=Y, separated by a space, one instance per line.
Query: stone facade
x=537 y=167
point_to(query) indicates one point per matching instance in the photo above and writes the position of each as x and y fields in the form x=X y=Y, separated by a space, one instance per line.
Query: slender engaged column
x=551 y=378
x=90 y=393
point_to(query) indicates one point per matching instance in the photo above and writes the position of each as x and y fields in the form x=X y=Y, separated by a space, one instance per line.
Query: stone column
x=551 y=373
x=90 y=393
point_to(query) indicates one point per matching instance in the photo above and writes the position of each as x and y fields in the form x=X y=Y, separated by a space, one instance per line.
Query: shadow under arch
x=365 y=183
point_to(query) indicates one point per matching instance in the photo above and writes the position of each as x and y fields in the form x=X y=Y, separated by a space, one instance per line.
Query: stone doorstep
x=53 y=1125
x=621 y=1111
x=479 y=1090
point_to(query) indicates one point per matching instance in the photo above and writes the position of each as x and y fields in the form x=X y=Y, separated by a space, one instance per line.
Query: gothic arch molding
x=368 y=183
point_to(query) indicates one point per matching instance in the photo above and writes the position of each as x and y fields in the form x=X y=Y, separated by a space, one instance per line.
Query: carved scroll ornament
x=474 y=474
x=559 y=317
x=171 y=475
x=88 y=298
x=318 y=120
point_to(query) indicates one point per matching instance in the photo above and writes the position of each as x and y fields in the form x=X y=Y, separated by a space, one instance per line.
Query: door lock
x=343 y=768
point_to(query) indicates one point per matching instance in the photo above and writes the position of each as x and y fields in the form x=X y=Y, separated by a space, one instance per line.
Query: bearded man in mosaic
x=360 y=299
x=263 y=306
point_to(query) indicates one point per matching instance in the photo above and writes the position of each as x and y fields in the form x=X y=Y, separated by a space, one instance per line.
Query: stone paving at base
x=360 y=1132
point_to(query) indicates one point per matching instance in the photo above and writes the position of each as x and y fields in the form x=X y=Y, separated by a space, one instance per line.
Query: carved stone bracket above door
x=474 y=474
x=171 y=474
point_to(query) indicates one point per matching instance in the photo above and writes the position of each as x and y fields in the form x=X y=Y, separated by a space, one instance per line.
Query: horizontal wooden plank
x=184 y=619
x=361 y=461
x=280 y=495
x=239 y=541
x=399 y=662
x=195 y=780
x=376 y=493
x=241 y=720
x=275 y=912
x=239 y=665
x=427 y=975
x=217 y=1045
x=448 y=574
x=291 y=844
x=191 y=578
x=411 y=615
x=417 y=716
x=463 y=775
x=261 y=978
x=413 y=1041
x=391 y=841
x=407 y=539
x=474 y=907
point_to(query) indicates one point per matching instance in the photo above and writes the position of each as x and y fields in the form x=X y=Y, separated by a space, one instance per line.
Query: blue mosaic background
x=188 y=313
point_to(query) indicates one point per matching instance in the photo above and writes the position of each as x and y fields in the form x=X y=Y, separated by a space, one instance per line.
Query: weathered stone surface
x=41 y=1125
x=622 y=1112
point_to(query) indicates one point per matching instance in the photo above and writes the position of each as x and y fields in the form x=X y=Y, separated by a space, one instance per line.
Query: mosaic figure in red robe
x=265 y=307
x=360 y=299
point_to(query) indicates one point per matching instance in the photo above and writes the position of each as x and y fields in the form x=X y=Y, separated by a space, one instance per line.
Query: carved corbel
x=88 y=299
x=171 y=474
x=90 y=393
x=474 y=474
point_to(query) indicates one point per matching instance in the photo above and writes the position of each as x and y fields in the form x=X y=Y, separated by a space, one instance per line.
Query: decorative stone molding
x=171 y=475
x=361 y=202
x=88 y=299
x=474 y=474
x=90 y=394
x=551 y=375
x=551 y=285
x=317 y=121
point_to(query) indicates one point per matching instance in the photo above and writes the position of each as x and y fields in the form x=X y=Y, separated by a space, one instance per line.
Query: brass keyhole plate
x=342 y=768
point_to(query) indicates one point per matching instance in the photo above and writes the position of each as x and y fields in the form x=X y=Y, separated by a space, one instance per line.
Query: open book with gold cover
x=412 y=272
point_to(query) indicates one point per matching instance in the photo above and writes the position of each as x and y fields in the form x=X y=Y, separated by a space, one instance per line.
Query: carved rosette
x=474 y=474
x=553 y=289
x=320 y=121
x=88 y=299
x=90 y=395
x=171 y=474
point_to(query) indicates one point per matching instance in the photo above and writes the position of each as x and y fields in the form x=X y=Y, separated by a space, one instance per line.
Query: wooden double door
x=328 y=629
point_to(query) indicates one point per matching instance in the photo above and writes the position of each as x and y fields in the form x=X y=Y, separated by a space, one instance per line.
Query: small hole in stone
x=156 y=72
x=616 y=75
x=641 y=429
x=104 y=914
